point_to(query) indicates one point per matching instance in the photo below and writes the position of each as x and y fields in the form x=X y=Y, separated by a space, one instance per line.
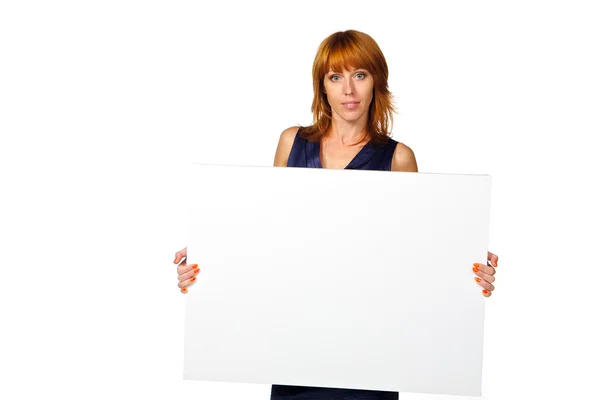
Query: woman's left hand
x=485 y=274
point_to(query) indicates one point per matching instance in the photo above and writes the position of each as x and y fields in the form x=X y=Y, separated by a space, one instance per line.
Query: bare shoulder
x=286 y=141
x=289 y=134
x=404 y=159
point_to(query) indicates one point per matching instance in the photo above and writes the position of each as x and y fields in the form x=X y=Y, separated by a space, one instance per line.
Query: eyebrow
x=353 y=71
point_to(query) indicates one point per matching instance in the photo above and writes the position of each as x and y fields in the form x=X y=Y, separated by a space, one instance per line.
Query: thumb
x=181 y=254
x=493 y=259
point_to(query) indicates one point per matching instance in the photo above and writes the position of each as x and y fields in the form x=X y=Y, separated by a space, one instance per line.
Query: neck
x=347 y=134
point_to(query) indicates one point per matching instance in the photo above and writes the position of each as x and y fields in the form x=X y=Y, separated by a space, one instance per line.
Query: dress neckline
x=354 y=160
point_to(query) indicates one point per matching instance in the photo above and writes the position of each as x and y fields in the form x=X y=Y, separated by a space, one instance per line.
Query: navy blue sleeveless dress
x=306 y=154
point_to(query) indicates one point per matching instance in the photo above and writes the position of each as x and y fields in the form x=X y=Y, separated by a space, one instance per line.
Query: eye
x=334 y=78
x=360 y=75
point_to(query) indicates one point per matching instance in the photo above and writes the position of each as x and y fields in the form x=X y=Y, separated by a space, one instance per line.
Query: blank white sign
x=337 y=278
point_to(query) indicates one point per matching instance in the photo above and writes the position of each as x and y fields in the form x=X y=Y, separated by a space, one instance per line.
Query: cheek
x=329 y=94
x=367 y=92
x=368 y=95
x=326 y=100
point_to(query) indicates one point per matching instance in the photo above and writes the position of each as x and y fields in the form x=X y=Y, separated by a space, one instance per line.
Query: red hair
x=347 y=50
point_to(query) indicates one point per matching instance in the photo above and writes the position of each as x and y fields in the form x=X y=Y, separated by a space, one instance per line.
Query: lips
x=351 y=104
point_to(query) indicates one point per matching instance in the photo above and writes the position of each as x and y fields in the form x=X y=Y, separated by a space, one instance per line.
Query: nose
x=348 y=87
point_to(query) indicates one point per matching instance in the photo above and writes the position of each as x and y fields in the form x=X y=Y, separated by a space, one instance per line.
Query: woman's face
x=349 y=93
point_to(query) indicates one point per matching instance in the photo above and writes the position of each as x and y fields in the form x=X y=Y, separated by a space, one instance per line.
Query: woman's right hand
x=187 y=273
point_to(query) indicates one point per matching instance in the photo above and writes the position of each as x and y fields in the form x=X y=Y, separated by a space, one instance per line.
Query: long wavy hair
x=347 y=50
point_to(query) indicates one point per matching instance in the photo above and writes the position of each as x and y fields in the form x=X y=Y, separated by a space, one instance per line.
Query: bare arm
x=286 y=140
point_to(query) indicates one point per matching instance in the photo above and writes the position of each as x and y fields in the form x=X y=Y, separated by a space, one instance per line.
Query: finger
x=486 y=277
x=486 y=293
x=187 y=282
x=484 y=268
x=183 y=268
x=187 y=275
x=181 y=254
x=493 y=259
x=484 y=284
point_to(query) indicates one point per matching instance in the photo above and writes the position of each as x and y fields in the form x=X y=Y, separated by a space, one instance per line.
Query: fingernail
x=193 y=279
x=475 y=269
x=194 y=265
x=477 y=279
x=485 y=291
x=175 y=260
x=184 y=290
x=196 y=270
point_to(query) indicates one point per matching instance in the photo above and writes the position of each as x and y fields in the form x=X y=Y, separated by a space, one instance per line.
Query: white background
x=103 y=106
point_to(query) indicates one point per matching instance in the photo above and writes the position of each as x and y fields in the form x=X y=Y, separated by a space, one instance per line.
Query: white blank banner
x=337 y=278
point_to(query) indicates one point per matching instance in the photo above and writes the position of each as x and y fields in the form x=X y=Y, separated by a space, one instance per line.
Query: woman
x=352 y=111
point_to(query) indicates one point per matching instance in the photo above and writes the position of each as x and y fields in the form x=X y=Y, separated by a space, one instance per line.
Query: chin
x=349 y=115
x=352 y=116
